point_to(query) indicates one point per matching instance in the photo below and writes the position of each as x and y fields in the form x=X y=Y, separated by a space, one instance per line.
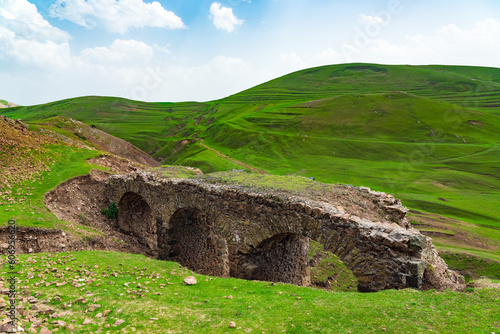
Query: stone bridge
x=229 y=232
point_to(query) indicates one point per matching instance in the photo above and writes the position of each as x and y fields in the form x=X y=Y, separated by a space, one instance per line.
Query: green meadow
x=110 y=292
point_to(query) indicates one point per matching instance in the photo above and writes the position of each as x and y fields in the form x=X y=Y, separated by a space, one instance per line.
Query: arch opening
x=191 y=240
x=328 y=271
x=135 y=217
x=282 y=258
x=295 y=259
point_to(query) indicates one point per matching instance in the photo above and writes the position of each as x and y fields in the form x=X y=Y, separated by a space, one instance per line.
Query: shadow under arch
x=192 y=241
x=281 y=258
x=136 y=218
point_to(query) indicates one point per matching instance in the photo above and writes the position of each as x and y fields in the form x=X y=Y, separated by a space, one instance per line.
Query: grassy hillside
x=428 y=134
x=117 y=292
x=32 y=163
x=474 y=86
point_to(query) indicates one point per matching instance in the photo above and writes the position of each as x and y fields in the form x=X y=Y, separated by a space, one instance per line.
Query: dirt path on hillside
x=233 y=160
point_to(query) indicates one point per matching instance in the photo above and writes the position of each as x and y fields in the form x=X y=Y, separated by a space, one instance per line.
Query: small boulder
x=190 y=280
x=118 y=322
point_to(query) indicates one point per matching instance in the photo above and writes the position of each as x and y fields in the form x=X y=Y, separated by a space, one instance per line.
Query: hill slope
x=34 y=159
x=454 y=84
x=7 y=104
x=428 y=134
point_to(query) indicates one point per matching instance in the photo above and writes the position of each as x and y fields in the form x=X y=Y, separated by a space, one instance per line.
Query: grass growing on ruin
x=176 y=172
x=291 y=183
x=110 y=283
x=330 y=272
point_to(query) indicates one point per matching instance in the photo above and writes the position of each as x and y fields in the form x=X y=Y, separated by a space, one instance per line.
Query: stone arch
x=277 y=247
x=136 y=218
x=384 y=254
x=192 y=241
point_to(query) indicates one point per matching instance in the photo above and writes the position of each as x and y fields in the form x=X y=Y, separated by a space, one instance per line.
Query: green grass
x=422 y=133
x=176 y=172
x=330 y=272
x=290 y=183
x=472 y=267
x=197 y=156
x=255 y=307
x=31 y=211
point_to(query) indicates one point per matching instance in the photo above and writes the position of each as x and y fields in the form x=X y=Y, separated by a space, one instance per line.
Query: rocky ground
x=36 y=311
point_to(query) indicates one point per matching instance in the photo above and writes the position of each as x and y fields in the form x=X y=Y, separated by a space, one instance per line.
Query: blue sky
x=179 y=50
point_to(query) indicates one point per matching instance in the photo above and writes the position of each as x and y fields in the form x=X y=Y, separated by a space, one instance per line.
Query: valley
x=333 y=135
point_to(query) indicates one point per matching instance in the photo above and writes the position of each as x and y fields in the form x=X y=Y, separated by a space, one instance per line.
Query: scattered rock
x=190 y=280
x=232 y=324
x=8 y=328
x=118 y=322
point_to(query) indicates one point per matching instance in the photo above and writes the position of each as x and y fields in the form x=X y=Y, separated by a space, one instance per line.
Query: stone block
x=416 y=268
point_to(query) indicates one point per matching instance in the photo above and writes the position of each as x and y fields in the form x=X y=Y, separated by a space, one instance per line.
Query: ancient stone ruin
x=227 y=232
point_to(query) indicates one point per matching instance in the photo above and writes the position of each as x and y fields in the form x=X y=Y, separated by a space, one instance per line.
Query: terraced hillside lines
x=235 y=161
x=455 y=84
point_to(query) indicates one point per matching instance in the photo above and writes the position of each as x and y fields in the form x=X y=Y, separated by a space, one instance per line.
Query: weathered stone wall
x=135 y=217
x=382 y=255
x=191 y=240
x=282 y=258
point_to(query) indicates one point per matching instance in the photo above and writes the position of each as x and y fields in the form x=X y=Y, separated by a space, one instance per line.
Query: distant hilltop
x=7 y=104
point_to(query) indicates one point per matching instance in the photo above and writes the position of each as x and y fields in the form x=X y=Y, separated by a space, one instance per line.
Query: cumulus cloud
x=228 y=65
x=27 y=38
x=223 y=17
x=450 y=44
x=120 y=52
x=116 y=16
x=327 y=56
x=23 y=19
x=369 y=19
x=291 y=60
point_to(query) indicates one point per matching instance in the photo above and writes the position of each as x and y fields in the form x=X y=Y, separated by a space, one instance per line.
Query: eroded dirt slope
x=103 y=141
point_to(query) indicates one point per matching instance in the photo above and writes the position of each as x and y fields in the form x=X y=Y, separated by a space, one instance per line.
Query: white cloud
x=369 y=19
x=230 y=65
x=223 y=17
x=120 y=53
x=291 y=60
x=450 y=44
x=116 y=16
x=25 y=37
x=328 y=56
x=22 y=18
x=163 y=49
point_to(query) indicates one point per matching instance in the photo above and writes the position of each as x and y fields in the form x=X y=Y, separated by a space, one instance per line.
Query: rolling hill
x=428 y=134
